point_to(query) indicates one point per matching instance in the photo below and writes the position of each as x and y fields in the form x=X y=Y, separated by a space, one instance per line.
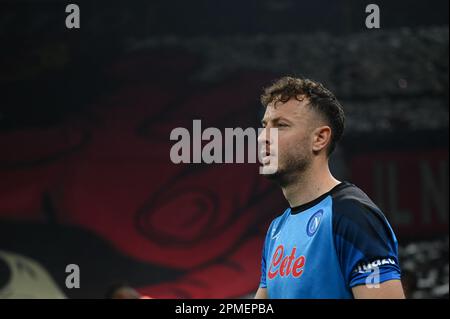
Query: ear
x=321 y=138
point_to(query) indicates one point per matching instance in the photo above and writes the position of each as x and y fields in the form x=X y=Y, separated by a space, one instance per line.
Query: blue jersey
x=325 y=247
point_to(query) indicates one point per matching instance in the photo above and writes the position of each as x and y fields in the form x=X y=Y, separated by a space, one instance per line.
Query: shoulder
x=275 y=226
x=362 y=236
x=355 y=213
x=351 y=203
x=278 y=221
x=348 y=194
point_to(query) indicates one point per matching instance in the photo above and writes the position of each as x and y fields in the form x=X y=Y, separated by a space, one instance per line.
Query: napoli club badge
x=314 y=222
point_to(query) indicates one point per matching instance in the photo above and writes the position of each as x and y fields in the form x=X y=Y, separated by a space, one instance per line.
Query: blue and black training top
x=325 y=247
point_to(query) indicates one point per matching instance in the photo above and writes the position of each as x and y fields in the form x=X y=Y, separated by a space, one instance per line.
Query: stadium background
x=85 y=118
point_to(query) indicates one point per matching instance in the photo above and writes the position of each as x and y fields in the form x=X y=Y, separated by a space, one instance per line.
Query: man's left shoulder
x=352 y=203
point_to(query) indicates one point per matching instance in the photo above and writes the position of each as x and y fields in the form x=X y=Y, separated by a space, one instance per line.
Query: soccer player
x=333 y=241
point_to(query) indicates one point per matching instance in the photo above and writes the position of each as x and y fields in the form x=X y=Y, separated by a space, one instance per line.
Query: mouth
x=266 y=156
x=265 y=160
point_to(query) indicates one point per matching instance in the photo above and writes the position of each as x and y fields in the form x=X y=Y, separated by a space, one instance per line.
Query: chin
x=276 y=176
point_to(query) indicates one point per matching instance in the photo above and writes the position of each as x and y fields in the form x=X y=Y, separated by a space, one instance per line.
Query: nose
x=264 y=137
x=268 y=140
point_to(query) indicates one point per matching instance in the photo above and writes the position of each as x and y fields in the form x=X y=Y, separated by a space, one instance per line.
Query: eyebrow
x=276 y=119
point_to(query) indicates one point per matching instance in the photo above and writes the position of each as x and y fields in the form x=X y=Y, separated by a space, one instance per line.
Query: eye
x=282 y=124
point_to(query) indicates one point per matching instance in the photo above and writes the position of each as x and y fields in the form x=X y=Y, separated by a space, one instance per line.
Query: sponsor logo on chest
x=286 y=265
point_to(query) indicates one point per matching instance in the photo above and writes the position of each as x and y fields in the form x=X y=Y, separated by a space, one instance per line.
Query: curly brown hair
x=320 y=98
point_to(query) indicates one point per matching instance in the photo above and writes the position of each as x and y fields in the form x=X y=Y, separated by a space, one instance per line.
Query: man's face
x=295 y=121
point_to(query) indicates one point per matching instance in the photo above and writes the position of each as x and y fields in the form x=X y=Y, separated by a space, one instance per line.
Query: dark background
x=85 y=118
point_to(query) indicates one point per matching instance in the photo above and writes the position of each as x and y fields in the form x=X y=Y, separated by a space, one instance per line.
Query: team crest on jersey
x=314 y=222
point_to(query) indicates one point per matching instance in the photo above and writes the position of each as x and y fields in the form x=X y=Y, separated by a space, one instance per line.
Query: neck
x=309 y=184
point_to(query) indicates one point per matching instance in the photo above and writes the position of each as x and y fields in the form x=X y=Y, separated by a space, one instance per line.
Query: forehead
x=292 y=109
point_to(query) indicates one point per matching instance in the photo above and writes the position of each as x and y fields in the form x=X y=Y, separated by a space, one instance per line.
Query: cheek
x=294 y=145
x=294 y=140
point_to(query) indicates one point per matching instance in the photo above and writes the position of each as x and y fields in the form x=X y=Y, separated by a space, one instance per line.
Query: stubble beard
x=290 y=169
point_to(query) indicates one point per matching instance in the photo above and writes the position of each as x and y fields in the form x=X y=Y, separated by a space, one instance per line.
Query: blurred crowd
x=385 y=79
x=425 y=267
